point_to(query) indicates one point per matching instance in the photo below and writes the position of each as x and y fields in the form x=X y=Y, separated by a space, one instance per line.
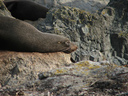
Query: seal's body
x=17 y=35
x=26 y=10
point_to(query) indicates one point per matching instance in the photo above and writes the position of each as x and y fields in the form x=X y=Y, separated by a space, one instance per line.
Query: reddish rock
x=23 y=66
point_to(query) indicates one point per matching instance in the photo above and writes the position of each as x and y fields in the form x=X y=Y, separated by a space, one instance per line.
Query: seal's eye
x=67 y=43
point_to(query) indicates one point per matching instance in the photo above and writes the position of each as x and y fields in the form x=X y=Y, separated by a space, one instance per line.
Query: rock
x=99 y=36
x=82 y=28
x=76 y=24
x=87 y=5
x=3 y=10
x=117 y=33
x=81 y=78
x=19 y=67
x=96 y=35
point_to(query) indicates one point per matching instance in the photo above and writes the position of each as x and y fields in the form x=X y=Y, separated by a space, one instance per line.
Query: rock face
x=87 y=5
x=119 y=29
x=99 y=36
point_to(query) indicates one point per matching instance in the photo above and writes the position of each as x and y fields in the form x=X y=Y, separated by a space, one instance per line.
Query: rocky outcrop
x=86 y=78
x=76 y=79
x=101 y=38
x=19 y=67
x=119 y=29
x=87 y=5
x=3 y=10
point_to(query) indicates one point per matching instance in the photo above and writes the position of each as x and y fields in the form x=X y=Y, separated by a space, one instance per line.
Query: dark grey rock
x=99 y=36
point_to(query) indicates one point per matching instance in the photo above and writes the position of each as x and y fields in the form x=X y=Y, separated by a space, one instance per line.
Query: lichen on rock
x=3 y=10
x=100 y=38
x=93 y=33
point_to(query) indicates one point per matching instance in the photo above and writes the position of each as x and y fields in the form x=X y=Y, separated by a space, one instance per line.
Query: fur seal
x=26 y=10
x=17 y=35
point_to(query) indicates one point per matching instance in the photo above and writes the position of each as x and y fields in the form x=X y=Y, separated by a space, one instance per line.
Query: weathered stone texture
x=99 y=36
x=19 y=67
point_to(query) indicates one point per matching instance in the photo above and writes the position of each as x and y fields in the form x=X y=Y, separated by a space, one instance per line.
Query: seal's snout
x=71 y=48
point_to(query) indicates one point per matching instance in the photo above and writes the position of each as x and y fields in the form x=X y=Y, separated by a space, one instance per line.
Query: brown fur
x=17 y=35
x=26 y=10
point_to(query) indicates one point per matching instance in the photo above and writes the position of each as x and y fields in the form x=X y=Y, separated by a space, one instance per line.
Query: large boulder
x=17 y=68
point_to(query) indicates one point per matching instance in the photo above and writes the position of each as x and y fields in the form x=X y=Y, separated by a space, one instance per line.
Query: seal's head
x=60 y=43
x=69 y=46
